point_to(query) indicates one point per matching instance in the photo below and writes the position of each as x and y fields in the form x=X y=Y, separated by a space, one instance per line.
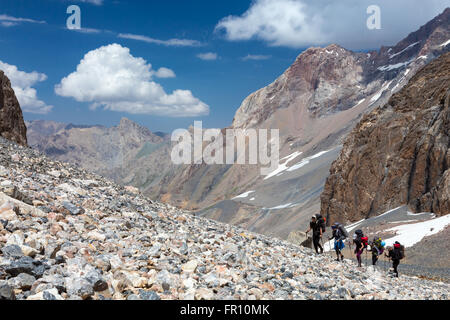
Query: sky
x=166 y=64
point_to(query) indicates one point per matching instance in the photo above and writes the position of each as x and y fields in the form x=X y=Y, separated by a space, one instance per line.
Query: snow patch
x=380 y=93
x=446 y=43
x=410 y=234
x=244 y=195
x=283 y=167
x=305 y=161
x=283 y=206
x=359 y=102
x=395 y=66
x=407 y=48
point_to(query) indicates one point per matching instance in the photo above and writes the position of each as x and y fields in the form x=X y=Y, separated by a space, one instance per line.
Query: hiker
x=360 y=244
x=396 y=254
x=315 y=226
x=377 y=249
x=339 y=235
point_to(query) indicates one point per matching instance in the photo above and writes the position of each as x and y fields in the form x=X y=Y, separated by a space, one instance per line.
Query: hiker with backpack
x=377 y=249
x=396 y=254
x=317 y=228
x=361 y=243
x=339 y=235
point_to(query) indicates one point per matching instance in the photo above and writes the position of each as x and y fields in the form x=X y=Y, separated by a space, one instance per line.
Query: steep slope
x=84 y=237
x=398 y=154
x=12 y=126
x=314 y=104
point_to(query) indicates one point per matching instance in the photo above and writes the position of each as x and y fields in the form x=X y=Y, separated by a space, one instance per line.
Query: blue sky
x=34 y=39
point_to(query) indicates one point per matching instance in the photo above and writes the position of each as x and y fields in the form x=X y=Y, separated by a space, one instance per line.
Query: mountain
x=398 y=154
x=12 y=126
x=315 y=104
x=85 y=237
x=110 y=152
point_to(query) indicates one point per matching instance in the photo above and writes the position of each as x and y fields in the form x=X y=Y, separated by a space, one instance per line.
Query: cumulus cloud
x=164 y=73
x=168 y=43
x=22 y=84
x=208 y=56
x=302 y=23
x=9 y=21
x=255 y=57
x=111 y=78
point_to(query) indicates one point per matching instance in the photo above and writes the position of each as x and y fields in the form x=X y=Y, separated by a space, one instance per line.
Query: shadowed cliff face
x=12 y=126
x=398 y=154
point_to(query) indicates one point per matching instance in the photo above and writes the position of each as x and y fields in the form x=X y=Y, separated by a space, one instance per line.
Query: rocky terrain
x=12 y=126
x=398 y=154
x=75 y=235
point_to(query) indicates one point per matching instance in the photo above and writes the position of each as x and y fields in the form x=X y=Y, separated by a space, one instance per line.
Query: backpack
x=377 y=242
x=322 y=222
x=399 y=251
x=359 y=236
x=343 y=231
x=365 y=241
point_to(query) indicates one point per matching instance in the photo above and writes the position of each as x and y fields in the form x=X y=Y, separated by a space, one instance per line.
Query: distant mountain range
x=315 y=103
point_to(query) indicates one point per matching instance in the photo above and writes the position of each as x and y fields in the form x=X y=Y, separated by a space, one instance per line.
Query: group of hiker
x=361 y=242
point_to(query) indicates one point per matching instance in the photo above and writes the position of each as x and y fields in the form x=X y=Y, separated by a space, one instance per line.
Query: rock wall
x=12 y=126
x=398 y=154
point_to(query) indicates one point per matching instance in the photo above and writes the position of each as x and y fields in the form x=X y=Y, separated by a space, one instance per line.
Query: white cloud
x=302 y=23
x=96 y=2
x=164 y=73
x=278 y=22
x=256 y=57
x=110 y=77
x=169 y=43
x=9 y=21
x=22 y=83
x=209 y=56
x=86 y=30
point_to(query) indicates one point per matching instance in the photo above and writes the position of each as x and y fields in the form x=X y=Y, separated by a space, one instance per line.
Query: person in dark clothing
x=317 y=234
x=395 y=254
x=339 y=235
x=360 y=245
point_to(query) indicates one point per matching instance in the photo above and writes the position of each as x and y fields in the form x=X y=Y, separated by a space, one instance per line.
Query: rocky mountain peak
x=12 y=125
x=125 y=122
